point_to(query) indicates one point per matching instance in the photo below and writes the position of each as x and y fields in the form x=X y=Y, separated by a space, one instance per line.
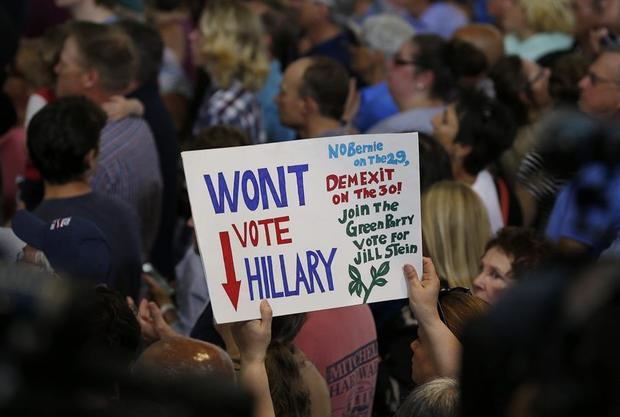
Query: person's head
x=600 y=88
x=218 y=136
x=547 y=16
x=312 y=88
x=474 y=131
x=419 y=69
x=37 y=58
x=469 y=64
x=178 y=358
x=457 y=307
x=434 y=162
x=97 y=61
x=436 y=398
x=380 y=38
x=114 y=327
x=63 y=139
x=594 y=14
x=522 y=85
x=507 y=256
x=566 y=72
x=229 y=43
x=289 y=391
x=312 y=13
x=487 y=38
x=150 y=49
x=455 y=229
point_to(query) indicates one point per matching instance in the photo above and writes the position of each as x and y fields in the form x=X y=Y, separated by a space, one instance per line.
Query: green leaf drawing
x=384 y=269
x=353 y=286
x=357 y=286
x=380 y=282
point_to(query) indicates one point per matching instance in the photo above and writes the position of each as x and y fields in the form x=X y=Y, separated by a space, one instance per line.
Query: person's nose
x=584 y=82
x=414 y=345
x=479 y=283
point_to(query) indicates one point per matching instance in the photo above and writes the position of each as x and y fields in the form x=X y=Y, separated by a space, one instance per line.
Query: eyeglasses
x=400 y=62
x=595 y=79
x=445 y=291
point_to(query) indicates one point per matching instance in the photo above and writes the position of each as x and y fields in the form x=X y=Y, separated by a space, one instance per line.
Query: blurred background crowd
x=104 y=308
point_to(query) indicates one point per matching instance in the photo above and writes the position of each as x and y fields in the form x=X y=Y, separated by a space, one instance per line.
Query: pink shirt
x=342 y=344
x=13 y=156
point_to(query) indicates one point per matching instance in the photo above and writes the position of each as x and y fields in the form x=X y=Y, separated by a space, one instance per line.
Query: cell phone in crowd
x=149 y=269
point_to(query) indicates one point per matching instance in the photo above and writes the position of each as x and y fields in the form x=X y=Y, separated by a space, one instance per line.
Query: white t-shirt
x=486 y=190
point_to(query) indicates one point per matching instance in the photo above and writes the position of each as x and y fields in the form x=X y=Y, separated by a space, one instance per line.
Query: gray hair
x=385 y=33
x=437 y=398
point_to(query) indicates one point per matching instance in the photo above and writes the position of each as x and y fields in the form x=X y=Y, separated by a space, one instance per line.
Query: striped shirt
x=235 y=107
x=128 y=168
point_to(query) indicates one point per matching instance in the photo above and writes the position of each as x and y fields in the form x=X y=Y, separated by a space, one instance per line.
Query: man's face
x=291 y=106
x=600 y=88
x=71 y=74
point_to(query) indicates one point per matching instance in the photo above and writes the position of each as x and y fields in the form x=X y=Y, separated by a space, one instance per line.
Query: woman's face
x=422 y=368
x=495 y=275
x=538 y=81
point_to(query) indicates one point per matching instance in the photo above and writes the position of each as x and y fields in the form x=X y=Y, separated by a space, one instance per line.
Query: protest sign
x=309 y=224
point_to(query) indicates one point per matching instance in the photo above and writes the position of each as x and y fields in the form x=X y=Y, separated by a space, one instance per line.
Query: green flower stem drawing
x=357 y=286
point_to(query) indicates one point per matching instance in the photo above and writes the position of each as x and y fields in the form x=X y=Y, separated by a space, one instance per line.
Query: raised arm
x=252 y=338
x=444 y=347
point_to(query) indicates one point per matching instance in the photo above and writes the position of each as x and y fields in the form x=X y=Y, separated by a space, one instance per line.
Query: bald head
x=181 y=357
x=487 y=38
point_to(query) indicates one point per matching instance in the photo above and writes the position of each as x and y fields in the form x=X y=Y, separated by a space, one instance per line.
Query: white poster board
x=309 y=224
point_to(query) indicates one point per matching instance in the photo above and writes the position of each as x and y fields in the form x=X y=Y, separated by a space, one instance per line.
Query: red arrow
x=232 y=285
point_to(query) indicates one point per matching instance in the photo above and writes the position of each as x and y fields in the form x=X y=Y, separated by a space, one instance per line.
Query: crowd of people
x=104 y=307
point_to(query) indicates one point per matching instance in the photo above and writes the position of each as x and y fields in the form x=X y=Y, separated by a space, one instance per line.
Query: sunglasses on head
x=445 y=291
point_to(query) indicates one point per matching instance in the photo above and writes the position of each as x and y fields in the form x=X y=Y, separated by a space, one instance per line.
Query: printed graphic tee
x=342 y=344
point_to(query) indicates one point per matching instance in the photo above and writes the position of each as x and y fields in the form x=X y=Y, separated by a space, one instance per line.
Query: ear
x=310 y=106
x=90 y=160
x=90 y=78
x=426 y=77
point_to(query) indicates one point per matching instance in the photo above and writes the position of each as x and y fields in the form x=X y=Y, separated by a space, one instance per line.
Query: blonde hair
x=549 y=15
x=455 y=228
x=233 y=44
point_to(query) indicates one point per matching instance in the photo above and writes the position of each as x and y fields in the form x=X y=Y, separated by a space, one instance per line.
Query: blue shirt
x=376 y=104
x=587 y=210
x=440 y=18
